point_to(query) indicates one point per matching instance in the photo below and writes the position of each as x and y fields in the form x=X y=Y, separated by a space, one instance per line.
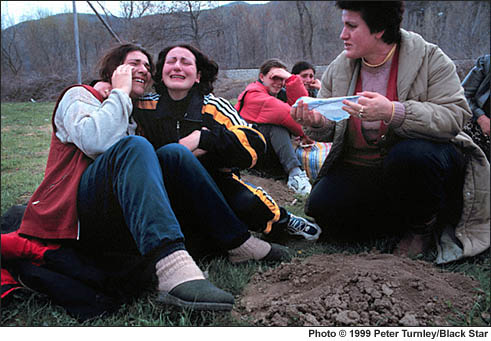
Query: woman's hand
x=103 y=88
x=316 y=84
x=122 y=78
x=371 y=106
x=279 y=73
x=191 y=142
x=308 y=118
x=483 y=122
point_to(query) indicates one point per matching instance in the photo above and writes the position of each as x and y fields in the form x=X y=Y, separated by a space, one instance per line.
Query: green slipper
x=278 y=253
x=198 y=294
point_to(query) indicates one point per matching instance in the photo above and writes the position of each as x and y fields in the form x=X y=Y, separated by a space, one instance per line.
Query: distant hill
x=237 y=35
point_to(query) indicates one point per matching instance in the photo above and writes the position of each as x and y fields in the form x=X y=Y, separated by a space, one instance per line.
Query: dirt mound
x=355 y=290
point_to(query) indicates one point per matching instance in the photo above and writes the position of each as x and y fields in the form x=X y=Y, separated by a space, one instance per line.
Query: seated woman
x=106 y=189
x=306 y=72
x=259 y=104
x=185 y=111
x=400 y=162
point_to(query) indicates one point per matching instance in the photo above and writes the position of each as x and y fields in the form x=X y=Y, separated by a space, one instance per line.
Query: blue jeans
x=418 y=180
x=135 y=199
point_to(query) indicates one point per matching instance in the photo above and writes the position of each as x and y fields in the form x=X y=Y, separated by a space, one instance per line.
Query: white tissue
x=330 y=108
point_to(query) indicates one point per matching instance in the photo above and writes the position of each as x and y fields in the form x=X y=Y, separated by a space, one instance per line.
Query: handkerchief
x=329 y=107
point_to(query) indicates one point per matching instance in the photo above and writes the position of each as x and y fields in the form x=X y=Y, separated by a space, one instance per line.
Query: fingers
x=302 y=115
x=281 y=73
x=104 y=88
x=122 y=77
x=316 y=84
x=353 y=108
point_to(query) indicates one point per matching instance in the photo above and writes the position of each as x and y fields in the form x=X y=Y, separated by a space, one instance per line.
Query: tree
x=189 y=21
x=11 y=56
x=306 y=29
x=145 y=32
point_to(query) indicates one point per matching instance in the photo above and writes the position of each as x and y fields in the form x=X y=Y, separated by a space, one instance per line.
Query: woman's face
x=140 y=73
x=307 y=77
x=358 y=41
x=179 y=72
x=271 y=82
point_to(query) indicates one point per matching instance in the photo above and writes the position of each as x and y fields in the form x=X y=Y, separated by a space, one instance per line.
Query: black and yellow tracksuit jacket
x=230 y=143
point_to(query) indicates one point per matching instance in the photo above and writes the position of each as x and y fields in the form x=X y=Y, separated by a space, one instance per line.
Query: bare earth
x=277 y=189
x=355 y=290
x=368 y=289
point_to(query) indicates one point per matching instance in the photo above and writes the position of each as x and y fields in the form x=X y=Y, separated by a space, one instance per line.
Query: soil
x=277 y=189
x=367 y=289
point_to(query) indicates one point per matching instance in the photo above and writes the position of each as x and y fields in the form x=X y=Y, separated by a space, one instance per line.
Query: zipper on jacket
x=178 y=126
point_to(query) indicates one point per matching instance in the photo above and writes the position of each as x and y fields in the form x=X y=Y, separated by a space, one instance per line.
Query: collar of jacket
x=193 y=104
x=411 y=56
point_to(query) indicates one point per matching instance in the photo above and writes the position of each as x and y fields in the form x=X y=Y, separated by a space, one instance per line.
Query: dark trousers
x=279 y=149
x=418 y=180
x=136 y=199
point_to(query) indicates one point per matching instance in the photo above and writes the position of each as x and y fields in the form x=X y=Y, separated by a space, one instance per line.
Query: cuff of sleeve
x=399 y=115
x=290 y=79
x=478 y=113
x=205 y=140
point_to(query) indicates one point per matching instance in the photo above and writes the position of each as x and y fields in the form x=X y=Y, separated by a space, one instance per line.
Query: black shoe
x=278 y=253
x=198 y=294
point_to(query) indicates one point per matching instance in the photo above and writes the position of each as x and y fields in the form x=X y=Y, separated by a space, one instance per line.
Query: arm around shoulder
x=91 y=125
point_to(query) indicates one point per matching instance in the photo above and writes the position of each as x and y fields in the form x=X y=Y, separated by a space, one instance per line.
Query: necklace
x=391 y=52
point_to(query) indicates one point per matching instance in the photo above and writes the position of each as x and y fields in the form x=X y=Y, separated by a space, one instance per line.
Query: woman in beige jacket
x=401 y=159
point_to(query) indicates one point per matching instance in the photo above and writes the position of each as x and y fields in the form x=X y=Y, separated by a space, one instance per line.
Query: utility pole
x=77 y=47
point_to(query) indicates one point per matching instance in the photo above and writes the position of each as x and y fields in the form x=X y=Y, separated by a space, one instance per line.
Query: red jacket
x=52 y=210
x=260 y=107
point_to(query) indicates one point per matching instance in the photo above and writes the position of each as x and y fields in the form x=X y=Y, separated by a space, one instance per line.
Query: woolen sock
x=252 y=248
x=176 y=268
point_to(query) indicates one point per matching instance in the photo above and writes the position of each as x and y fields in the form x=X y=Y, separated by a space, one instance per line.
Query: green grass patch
x=26 y=132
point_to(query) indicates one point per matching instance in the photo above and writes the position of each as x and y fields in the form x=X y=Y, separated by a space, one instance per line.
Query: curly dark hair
x=116 y=56
x=205 y=65
x=379 y=16
x=301 y=66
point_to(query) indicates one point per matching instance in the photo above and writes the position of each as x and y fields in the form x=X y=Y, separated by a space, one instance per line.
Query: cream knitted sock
x=176 y=268
x=252 y=248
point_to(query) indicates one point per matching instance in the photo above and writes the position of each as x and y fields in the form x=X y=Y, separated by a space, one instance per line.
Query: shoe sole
x=168 y=299
x=306 y=237
x=302 y=193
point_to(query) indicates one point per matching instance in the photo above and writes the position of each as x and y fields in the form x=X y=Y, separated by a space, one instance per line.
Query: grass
x=26 y=131
x=25 y=137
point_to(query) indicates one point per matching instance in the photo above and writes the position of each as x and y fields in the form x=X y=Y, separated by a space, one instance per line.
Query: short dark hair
x=379 y=16
x=271 y=63
x=116 y=56
x=205 y=65
x=301 y=66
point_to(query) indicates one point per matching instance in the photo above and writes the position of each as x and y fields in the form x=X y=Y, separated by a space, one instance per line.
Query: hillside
x=38 y=56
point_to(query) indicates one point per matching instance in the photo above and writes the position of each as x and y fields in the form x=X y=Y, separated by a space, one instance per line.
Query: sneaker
x=300 y=183
x=298 y=226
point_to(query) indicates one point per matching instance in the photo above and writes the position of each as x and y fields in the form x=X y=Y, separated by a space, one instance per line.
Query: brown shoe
x=413 y=244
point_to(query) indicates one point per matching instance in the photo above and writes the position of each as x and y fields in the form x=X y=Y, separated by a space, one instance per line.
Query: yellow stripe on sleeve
x=266 y=199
